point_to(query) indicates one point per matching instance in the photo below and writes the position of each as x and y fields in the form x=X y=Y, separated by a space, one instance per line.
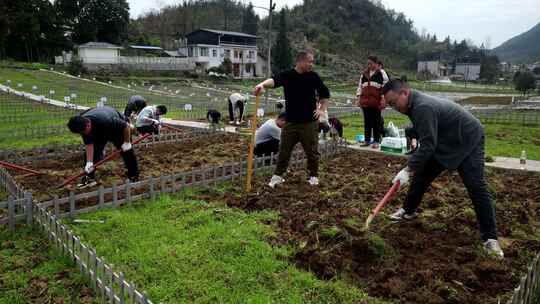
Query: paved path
x=42 y=99
x=499 y=162
x=195 y=124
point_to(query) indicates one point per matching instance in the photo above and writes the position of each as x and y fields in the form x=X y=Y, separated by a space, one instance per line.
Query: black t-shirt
x=107 y=125
x=301 y=92
x=136 y=104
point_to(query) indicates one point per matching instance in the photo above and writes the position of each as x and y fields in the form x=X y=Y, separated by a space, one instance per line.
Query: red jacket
x=370 y=96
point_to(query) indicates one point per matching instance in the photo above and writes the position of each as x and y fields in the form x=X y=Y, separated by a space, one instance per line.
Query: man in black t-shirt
x=98 y=126
x=301 y=86
x=135 y=104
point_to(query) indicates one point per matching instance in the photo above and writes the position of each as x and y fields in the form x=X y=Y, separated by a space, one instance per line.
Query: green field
x=501 y=139
x=31 y=271
x=182 y=250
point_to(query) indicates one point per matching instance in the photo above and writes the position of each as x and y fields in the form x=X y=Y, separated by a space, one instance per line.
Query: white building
x=208 y=48
x=99 y=53
x=469 y=71
x=434 y=68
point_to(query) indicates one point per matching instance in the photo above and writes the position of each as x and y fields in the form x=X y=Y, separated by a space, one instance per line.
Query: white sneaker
x=275 y=180
x=493 y=248
x=314 y=181
x=401 y=215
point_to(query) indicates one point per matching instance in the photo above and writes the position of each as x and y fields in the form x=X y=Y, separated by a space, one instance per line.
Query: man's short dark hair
x=380 y=63
x=279 y=105
x=77 y=124
x=373 y=58
x=282 y=115
x=394 y=85
x=162 y=109
x=302 y=55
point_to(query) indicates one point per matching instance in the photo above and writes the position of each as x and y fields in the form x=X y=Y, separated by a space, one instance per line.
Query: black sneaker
x=86 y=182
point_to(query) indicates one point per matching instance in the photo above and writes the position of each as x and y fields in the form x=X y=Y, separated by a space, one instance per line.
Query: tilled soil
x=437 y=258
x=156 y=160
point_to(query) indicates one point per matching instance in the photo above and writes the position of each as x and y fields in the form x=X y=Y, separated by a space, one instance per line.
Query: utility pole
x=269 y=53
x=269 y=67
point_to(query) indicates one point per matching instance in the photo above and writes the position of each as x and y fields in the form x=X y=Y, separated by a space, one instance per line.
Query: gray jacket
x=446 y=131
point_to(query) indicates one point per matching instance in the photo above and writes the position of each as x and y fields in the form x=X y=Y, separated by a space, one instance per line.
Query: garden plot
x=155 y=160
x=435 y=259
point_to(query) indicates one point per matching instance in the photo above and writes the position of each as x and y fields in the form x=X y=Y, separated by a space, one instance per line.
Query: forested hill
x=348 y=28
x=523 y=48
x=356 y=28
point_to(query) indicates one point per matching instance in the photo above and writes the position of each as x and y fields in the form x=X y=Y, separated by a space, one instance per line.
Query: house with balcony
x=208 y=48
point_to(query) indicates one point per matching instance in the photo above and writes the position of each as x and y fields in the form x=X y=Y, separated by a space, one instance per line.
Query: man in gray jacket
x=450 y=138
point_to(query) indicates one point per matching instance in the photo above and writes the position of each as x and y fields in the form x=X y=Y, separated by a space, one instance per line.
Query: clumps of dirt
x=153 y=161
x=437 y=258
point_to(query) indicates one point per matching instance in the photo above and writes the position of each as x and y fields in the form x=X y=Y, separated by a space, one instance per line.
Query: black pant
x=372 y=124
x=471 y=171
x=240 y=106
x=305 y=133
x=152 y=129
x=130 y=161
x=267 y=147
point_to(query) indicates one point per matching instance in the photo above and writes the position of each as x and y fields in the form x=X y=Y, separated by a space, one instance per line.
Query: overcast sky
x=480 y=20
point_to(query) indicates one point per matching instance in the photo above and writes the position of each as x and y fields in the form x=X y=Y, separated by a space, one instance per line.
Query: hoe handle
x=387 y=197
x=381 y=204
x=16 y=167
x=109 y=157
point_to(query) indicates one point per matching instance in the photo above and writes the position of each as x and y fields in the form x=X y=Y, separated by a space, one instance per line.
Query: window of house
x=204 y=52
x=251 y=54
x=228 y=54
x=214 y=53
x=236 y=54
x=190 y=51
x=248 y=68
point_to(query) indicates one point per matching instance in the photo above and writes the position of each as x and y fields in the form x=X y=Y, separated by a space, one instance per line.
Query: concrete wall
x=99 y=56
x=469 y=71
x=431 y=66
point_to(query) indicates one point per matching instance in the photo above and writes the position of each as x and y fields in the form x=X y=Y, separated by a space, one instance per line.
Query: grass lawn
x=183 y=250
x=31 y=271
x=501 y=139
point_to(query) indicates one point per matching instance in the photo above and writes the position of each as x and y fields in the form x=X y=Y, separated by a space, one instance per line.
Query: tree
x=489 y=68
x=282 y=57
x=29 y=30
x=524 y=81
x=226 y=66
x=249 y=21
x=95 y=20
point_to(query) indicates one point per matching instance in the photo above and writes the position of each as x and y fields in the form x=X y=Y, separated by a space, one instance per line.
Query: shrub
x=76 y=67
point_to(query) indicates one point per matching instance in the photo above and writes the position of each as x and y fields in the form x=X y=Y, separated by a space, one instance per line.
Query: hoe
x=109 y=157
x=387 y=197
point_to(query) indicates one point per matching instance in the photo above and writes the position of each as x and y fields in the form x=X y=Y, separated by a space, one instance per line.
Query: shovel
x=387 y=197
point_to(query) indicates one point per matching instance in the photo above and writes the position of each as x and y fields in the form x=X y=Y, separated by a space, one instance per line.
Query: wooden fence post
x=29 y=208
x=11 y=213
x=71 y=204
